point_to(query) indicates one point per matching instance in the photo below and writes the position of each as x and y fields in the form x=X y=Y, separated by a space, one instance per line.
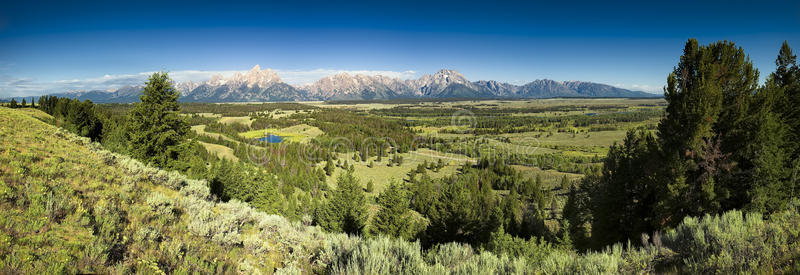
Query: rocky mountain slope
x=265 y=85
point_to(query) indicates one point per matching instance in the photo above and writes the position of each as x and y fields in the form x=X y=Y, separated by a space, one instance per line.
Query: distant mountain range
x=265 y=85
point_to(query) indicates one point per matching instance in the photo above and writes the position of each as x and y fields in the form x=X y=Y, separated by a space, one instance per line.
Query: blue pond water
x=271 y=139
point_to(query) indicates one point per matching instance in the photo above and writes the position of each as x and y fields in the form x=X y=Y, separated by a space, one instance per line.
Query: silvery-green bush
x=735 y=242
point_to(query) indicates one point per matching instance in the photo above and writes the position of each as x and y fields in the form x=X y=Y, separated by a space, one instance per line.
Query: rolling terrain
x=70 y=206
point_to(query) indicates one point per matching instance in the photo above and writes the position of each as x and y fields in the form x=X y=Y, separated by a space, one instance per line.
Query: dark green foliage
x=229 y=180
x=350 y=131
x=395 y=217
x=82 y=118
x=346 y=210
x=155 y=129
x=465 y=207
x=329 y=167
x=578 y=211
x=546 y=161
x=722 y=145
x=722 y=142
x=494 y=121
x=786 y=87
x=768 y=155
x=243 y=109
x=708 y=94
x=623 y=200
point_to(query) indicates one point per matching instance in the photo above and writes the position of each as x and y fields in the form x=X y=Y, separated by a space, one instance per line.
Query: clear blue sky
x=58 y=46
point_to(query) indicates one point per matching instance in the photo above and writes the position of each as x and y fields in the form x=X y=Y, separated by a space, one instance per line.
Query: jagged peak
x=448 y=72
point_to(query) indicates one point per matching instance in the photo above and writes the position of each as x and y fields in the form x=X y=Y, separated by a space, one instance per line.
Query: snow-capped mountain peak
x=264 y=85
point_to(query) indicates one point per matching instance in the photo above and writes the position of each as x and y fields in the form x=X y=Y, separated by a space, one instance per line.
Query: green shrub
x=735 y=242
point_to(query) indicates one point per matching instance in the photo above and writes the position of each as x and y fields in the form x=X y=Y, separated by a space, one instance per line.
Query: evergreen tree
x=787 y=86
x=577 y=211
x=329 y=167
x=623 y=198
x=156 y=130
x=13 y=103
x=394 y=219
x=769 y=163
x=24 y=104
x=465 y=210
x=708 y=97
x=346 y=211
x=370 y=186
x=82 y=120
x=42 y=104
x=513 y=213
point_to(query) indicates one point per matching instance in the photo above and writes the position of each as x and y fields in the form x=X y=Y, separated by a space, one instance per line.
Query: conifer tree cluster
x=724 y=143
x=80 y=117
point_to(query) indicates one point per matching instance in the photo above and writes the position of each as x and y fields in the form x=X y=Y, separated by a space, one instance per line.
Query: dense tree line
x=488 y=110
x=468 y=207
x=480 y=148
x=347 y=131
x=481 y=121
x=245 y=109
x=724 y=143
x=80 y=117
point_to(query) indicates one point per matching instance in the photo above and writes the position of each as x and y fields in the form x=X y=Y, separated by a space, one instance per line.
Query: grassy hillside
x=68 y=206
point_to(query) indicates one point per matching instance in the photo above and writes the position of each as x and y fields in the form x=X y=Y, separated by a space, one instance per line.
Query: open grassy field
x=245 y=120
x=201 y=130
x=219 y=150
x=381 y=174
x=296 y=133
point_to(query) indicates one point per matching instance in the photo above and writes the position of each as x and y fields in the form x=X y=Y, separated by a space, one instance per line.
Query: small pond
x=271 y=139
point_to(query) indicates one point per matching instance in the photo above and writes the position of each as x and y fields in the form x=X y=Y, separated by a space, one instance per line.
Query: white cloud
x=641 y=87
x=306 y=77
x=11 y=86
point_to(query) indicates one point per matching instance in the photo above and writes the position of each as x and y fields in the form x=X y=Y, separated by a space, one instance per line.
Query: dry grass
x=219 y=150
x=201 y=130
x=244 y=120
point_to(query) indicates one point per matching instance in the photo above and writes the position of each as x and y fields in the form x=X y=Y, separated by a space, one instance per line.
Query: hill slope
x=68 y=206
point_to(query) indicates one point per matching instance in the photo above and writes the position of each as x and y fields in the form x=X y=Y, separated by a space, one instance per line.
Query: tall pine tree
x=346 y=211
x=395 y=218
x=624 y=196
x=708 y=97
x=156 y=131
x=787 y=85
